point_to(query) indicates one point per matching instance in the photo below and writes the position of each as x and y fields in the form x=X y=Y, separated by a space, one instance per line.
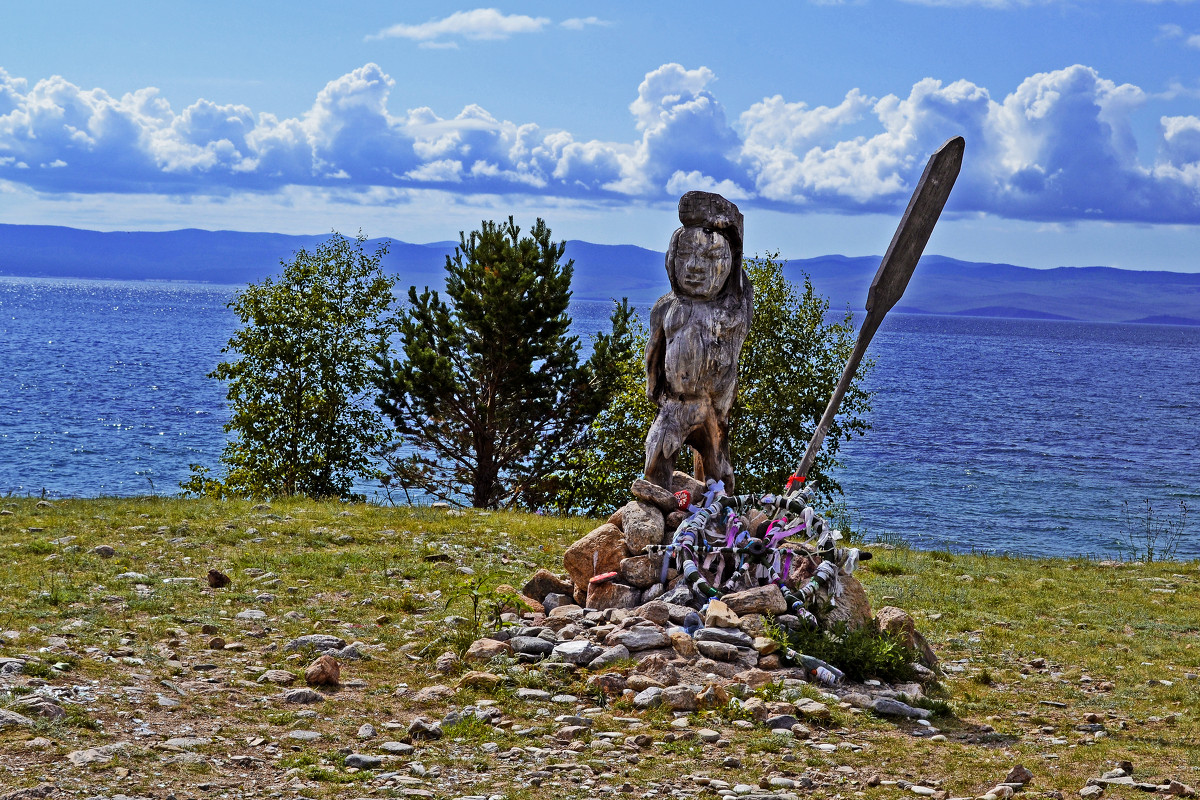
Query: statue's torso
x=703 y=340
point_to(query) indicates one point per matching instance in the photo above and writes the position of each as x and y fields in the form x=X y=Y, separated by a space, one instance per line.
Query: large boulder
x=898 y=623
x=611 y=594
x=682 y=482
x=487 y=649
x=643 y=526
x=544 y=582
x=640 y=571
x=759 y=600
x=850 y=607
x=654 y=494
x=599 y=552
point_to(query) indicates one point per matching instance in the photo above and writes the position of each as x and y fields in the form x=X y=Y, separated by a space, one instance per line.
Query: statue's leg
x=710 y=450
x=663 y=443
x=723 y=464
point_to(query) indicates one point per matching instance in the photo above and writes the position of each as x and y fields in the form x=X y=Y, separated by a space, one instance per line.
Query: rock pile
x=624 y=599
x=667 y=666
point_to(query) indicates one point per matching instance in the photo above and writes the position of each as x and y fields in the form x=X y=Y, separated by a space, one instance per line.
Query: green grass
x=1104 y=631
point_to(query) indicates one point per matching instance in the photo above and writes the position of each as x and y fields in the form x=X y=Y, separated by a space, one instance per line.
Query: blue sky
x=419 y=119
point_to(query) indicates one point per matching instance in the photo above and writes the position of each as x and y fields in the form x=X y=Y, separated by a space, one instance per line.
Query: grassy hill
x=1065 y=666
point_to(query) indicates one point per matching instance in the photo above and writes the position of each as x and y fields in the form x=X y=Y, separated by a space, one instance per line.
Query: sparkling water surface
x=1002 y=435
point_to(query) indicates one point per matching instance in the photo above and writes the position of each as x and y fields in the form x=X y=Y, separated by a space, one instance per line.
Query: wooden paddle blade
x=915 y=227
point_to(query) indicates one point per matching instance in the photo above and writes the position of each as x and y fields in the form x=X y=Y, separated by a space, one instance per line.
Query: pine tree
x=489 y=391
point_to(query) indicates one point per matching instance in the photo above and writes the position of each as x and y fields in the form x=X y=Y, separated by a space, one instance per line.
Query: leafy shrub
x=861 y=653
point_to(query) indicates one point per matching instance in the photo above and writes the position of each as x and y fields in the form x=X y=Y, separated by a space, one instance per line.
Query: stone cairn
x=697 y=589
x=685 y=579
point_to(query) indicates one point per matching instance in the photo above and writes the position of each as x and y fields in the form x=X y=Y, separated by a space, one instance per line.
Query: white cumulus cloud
x=579 y=23
x=479 y=23
x=1060 y=146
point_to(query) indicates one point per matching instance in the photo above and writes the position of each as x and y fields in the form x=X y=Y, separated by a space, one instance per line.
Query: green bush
x=861 y=653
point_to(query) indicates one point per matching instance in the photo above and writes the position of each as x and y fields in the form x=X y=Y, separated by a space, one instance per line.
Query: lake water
x=1005 y=435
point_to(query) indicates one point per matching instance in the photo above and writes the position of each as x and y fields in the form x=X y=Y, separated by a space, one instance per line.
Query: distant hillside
x=943 y=285
x=940 y=286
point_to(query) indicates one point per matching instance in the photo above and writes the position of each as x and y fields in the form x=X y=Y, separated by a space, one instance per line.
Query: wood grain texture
x=696 y=335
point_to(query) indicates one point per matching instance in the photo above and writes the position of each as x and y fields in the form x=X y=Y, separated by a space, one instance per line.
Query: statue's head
x=704 y=260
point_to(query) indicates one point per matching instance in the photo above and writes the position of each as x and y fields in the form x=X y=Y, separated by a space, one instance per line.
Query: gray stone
x=422 y=728
x=348 y=653
x=432 y=694
x=680 y=698
x=187 y=742
x=732 y=636
x=640 y=638
x=780 y=721
x=363 y=761
x=251 y=614
x=886 y=706
x=648 y=698
x=1018 y=774
x=396 y=748
x=11 y=719
x=678 y=595
x=280 y=677
x=33 y=792
x=578 y=651
x=554 y=600
x=640 y=572
x=96 y=755
x=759 y=600
x=11 y=666
x=531 y=645
x=717 y=651
x=653 y=592
x=366 y=731
x=643 y=526
x=302 y=696
x=812 y=710
x=661 y=498
x=36 y=705
x=610 y=655
x=303 y=735
x=317 y=641
x=654 y=611
x=528 y=694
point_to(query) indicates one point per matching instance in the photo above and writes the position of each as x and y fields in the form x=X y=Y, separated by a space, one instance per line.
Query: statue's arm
x=656 y=345
x=723 y=399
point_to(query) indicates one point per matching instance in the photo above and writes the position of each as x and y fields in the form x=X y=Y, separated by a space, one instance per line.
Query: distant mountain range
x=940 y=285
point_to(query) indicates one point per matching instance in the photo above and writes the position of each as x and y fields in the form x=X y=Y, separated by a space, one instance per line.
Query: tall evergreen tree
x=489 y=391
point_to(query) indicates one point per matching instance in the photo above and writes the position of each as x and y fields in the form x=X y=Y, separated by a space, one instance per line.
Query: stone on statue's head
x=708 y=210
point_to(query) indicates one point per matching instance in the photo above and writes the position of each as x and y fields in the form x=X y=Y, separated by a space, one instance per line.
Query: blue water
x=1007 y=435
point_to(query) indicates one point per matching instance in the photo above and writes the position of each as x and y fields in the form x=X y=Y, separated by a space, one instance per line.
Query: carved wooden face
x=702 y=262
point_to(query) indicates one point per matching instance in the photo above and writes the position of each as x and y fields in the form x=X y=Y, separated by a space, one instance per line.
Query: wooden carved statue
x=696 y=335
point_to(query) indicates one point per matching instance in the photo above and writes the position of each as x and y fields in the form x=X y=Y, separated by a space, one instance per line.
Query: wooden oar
x=894 y=271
